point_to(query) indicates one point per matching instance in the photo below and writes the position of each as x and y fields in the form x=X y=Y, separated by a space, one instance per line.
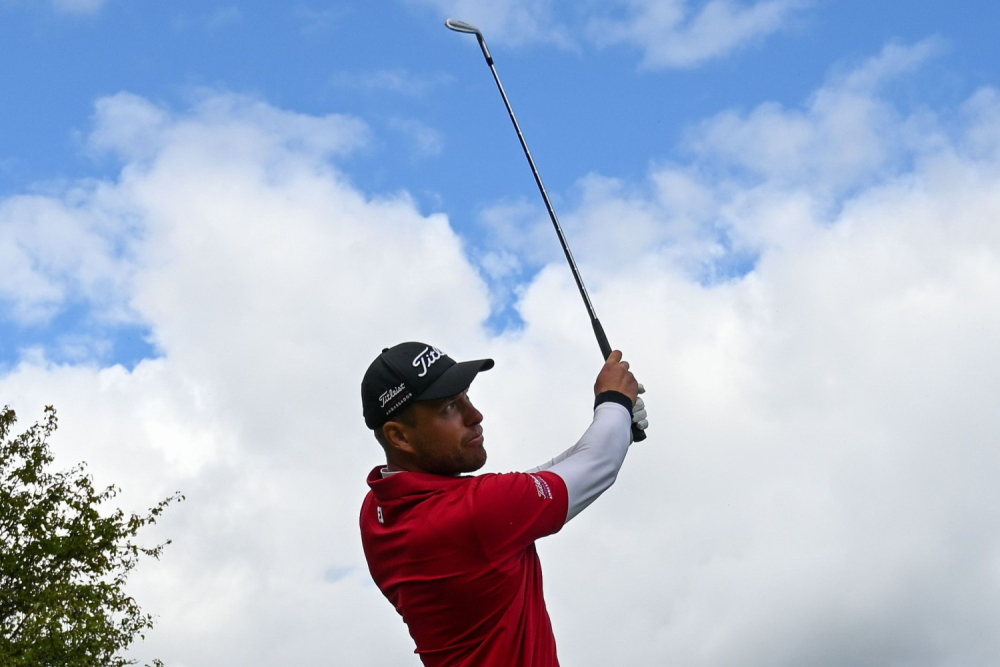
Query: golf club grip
x=638 y=434
x=602 y=338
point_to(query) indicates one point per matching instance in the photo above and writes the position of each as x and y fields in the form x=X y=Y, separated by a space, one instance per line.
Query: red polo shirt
x=456 y=557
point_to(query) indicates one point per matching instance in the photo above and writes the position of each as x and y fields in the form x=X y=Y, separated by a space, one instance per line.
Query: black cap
x=411 y=372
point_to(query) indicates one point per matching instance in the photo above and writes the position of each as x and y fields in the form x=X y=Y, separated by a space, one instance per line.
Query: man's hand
x=615 y=376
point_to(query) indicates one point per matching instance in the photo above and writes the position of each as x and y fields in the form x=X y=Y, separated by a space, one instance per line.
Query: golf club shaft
x=602 y=338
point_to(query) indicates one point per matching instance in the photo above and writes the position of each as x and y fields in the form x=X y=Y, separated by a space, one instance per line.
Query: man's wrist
x=613 y=397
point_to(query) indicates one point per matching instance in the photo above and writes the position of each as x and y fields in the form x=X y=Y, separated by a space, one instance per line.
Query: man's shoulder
x=518 y=482
x=413 y=488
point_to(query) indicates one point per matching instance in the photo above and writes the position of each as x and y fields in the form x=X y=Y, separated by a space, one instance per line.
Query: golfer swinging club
x=455 y=554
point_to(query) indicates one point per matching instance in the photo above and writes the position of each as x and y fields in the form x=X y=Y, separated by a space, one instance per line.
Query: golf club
x=602 y=338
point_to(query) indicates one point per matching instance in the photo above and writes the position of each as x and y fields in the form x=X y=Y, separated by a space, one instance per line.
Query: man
x=455 y=554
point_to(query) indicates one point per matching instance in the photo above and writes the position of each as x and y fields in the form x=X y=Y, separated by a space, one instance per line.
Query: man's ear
x=397 y=436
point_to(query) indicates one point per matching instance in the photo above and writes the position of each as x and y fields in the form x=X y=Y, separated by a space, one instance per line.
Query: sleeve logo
x=542 y=487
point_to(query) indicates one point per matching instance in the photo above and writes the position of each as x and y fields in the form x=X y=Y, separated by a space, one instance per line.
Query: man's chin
x=476 y=461
x=479 y=464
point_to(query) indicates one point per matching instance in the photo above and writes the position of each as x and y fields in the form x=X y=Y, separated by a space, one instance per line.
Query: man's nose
x=472 y=416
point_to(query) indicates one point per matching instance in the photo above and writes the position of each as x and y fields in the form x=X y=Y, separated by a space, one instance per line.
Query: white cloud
x=82 y=246
x=314 y=21
x=824 y=498
x=426 y=141
x=211 y=20
x=223 y=16
x=399 y=81
x=135 y=128
x=507 y=21
x=671 y=33
x=268 y=283
x=818 y=483
x=521 y=228
x=56 y=251
x=845 y=134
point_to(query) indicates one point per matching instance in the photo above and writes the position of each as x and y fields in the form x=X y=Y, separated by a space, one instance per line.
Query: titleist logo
x=390 y=394
x=426 y=359
x=542 y=487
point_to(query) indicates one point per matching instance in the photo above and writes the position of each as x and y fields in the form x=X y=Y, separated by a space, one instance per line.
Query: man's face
x=447 y=438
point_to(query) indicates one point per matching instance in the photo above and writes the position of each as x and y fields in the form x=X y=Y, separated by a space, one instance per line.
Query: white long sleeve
x=591 y=466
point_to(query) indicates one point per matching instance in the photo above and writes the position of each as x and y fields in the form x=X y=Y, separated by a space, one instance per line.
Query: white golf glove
x=639 y=412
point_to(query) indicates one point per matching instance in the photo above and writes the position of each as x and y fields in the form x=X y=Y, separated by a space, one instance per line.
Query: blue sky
x=213 y=215
x=586 y=110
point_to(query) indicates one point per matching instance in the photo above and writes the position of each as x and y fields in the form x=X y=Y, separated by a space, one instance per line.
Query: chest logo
x=381 y=519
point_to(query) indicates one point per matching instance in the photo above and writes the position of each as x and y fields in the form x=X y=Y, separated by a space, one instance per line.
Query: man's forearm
x=591 y=466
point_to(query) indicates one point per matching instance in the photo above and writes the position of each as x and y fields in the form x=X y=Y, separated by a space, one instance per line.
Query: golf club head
x=462 y=26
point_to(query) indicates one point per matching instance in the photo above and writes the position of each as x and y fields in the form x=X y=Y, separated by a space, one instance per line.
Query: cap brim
x=455 y=380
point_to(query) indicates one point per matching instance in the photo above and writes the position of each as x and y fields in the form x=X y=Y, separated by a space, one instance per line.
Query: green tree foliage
x=64 y=563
